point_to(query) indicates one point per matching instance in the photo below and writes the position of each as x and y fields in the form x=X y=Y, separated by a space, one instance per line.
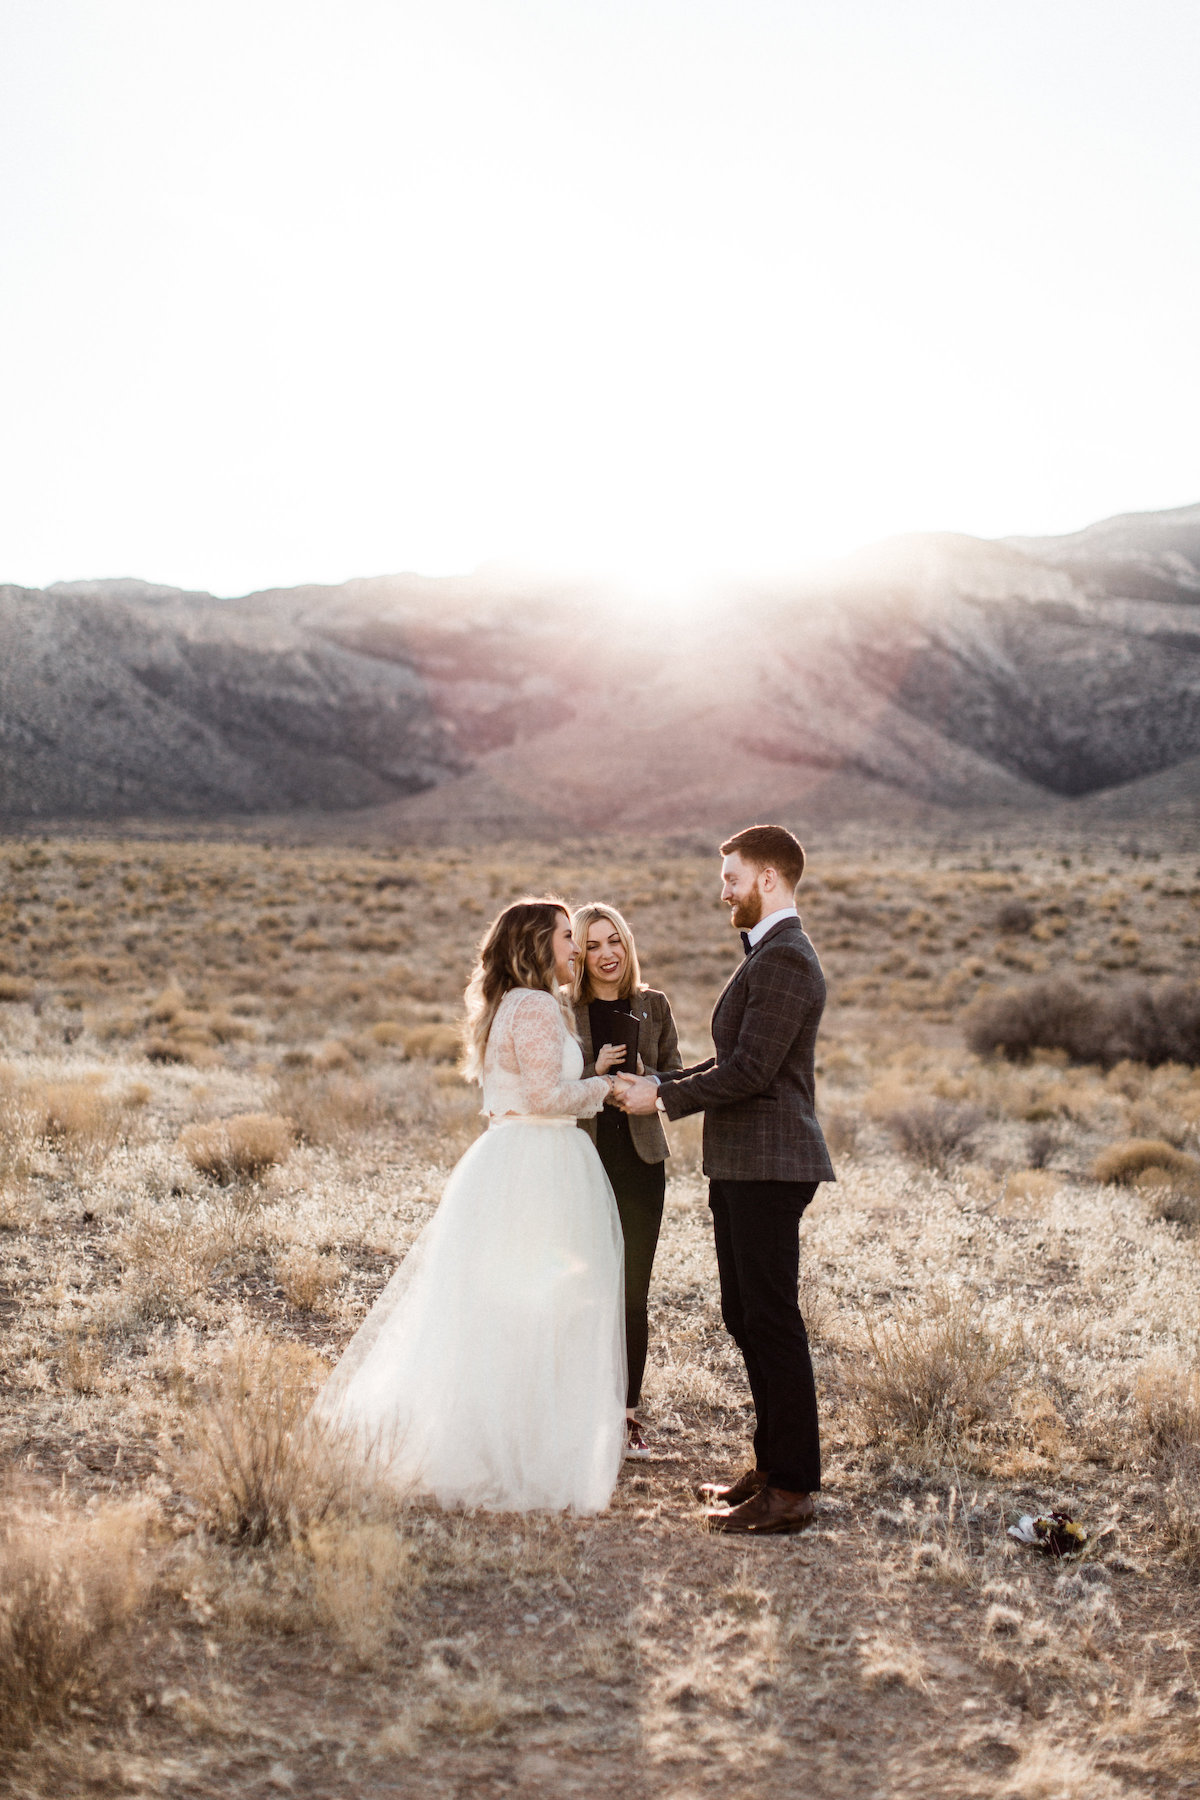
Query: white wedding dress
x=491 y=1370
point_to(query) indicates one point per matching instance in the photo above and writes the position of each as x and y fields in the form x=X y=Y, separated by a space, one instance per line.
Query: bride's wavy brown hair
x=516 y=951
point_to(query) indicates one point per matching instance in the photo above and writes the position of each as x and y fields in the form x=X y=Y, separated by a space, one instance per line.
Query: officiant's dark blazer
x=658 y=1047
x=758 y=1092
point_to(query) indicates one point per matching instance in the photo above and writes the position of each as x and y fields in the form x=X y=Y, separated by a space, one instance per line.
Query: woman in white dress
x=491 y=1370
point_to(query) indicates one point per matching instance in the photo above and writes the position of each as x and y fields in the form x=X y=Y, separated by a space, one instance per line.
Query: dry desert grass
x=227 y=1106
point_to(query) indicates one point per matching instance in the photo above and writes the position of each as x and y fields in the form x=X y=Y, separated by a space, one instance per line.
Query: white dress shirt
x=768 y=924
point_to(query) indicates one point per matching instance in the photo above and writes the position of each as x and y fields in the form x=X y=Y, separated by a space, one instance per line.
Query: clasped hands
x=631 y=1093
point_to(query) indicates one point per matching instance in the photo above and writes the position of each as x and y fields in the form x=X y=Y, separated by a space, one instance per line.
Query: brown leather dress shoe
x=771 y=1512
x=733 y=1493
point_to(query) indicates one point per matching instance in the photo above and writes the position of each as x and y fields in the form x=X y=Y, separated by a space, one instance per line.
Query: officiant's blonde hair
x=516 y=951
x=582 y=920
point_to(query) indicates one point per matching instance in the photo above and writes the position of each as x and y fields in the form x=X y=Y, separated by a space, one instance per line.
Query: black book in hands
x=623 y=1029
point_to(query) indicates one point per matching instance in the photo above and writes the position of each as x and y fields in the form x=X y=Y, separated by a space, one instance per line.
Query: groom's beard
x=744 y=916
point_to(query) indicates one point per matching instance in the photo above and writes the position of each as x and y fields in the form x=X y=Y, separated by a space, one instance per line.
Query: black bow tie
x=746 y=944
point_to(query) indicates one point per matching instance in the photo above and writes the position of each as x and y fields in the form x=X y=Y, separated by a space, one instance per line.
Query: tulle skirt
x=491 y=1370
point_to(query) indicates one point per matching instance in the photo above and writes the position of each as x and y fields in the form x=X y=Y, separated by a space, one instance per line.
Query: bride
x=491 y=1370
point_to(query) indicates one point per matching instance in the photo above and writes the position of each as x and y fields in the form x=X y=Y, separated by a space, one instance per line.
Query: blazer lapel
x=736 y=976
x=788 y=924
x=583 y=1025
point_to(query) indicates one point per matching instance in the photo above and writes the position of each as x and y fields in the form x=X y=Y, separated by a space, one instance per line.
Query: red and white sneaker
x=635 y=1440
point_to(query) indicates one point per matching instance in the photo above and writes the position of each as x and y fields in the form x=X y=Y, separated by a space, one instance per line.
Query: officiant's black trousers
x=757 y=1229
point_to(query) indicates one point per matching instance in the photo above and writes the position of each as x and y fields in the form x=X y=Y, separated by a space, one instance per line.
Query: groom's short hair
x=769 y=847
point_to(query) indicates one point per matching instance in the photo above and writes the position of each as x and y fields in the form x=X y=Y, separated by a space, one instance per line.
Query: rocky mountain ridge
x=934 y=671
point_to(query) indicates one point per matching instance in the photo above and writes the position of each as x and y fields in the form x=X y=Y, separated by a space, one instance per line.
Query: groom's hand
x=637 y=1093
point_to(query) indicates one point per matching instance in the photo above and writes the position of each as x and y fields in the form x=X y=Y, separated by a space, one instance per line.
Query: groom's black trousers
x=756 y=1225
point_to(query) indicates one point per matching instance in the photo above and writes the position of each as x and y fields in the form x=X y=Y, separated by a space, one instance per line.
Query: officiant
x=622 y=1024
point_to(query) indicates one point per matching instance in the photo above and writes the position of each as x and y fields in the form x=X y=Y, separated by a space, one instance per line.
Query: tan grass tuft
x=308 y=1277
x=360 y=1570
x=435 y=1043
x=76 y=1118
x=255 y=1465
x=69 y=1586
x=168 y=1254
x=934 y=1374
x=328 y=1108
x=1122 y=1164
x=238 y=1149
x=1166 y=1401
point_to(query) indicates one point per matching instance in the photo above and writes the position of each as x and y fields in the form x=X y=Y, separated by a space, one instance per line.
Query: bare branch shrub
x=255 y=1465
x=1015 y=918
x=69 y=1586
x=934 y=1373
x=1138 y=1023
x=935 y=1133
x=238 y=1149
x=1043 y=1142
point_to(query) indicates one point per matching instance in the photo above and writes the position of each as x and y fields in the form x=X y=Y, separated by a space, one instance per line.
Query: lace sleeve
x=538 y=1032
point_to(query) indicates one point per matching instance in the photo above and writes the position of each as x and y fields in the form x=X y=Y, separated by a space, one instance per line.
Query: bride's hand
x=609 y=1057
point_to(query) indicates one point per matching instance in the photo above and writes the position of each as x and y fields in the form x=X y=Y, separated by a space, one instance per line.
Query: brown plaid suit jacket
x=658 y=1047
x=757 y=1094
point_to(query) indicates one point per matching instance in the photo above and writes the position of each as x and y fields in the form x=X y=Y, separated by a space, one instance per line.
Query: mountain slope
x=934 y=671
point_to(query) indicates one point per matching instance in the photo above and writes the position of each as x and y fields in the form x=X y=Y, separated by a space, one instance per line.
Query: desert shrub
x=69 y=1586
x=169 y=1004
x=359 y=1569
x=1177 y=1500
x=81 y=1368
x=14 y=988
x=1128 y=1164
x=255 y=1466
x=841 y=1133
x=1166 y=1407
x=387 y=1034
x=329 y=1108
x=436 y=1043
x=238 y=1149
x=1043 y=1142
x=1166 y=1422
x=168 y=1254
x=76 y=1117
x=934 y=1373
x=936 y=1132
x=307 y=1277
x=1138 y=1023
x=16 y=1136
x=1015 y=918
x=1031 y=1186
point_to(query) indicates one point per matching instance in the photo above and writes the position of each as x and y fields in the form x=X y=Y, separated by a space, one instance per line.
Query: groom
x=765 y=1157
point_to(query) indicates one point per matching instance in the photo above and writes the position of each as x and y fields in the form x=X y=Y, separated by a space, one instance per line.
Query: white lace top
x=532 y=1064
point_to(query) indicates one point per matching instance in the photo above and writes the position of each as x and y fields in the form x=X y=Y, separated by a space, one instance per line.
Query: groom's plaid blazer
x=757 y=1093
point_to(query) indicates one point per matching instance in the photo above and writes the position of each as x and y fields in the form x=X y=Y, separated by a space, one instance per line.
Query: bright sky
x=303 y=289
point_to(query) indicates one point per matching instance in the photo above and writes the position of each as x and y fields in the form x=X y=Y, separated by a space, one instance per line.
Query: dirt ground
x=227 y=1105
